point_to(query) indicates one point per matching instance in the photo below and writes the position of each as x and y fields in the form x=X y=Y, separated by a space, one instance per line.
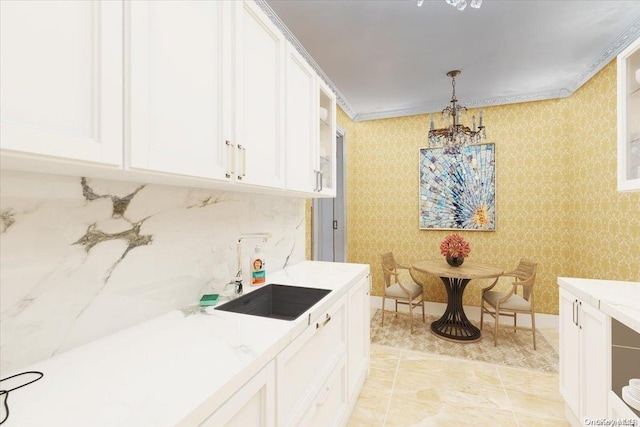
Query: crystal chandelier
x=455 y=136
x=459 y=4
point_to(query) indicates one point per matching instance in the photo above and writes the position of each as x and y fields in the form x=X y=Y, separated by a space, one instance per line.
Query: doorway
x=329 y=216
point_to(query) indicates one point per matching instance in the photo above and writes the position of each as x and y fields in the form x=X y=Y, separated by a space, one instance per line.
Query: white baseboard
x=543 y=320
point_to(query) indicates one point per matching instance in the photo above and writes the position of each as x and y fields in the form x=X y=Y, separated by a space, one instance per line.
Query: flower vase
x=455 y=261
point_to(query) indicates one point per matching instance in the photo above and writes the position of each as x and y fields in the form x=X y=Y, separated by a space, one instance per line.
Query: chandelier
x=459 y=4
x=455 y=136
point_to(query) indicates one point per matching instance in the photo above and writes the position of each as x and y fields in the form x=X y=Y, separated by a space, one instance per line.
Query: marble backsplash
x=82 y=258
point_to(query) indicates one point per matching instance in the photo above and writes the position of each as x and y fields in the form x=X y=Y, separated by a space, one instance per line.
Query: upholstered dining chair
x=411 y=294
x=510 y=303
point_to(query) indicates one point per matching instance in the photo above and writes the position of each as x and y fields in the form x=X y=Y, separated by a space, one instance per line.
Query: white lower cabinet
x=358 y=336
x=584 y=356
x=330 y=405
x=313 y=381
x=303 y=367
x=617 y=410
x=253 y=405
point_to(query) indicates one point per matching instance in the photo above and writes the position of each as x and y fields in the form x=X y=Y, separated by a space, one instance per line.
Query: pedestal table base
x=453 y=324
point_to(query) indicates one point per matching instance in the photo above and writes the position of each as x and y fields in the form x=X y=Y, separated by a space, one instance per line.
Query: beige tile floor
x=408 y=388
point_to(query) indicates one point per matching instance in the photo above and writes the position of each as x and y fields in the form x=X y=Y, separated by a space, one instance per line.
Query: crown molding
x=489 y=102
x=631 y=33
x=607 y=55
x=340 y=98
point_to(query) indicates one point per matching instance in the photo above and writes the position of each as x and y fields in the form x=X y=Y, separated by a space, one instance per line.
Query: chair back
x=525 y=274
x=389 y=268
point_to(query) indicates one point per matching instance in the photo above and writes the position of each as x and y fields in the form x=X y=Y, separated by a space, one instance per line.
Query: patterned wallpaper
x=606 y=224
x=556 y=199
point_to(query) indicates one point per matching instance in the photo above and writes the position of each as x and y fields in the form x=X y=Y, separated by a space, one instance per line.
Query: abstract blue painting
x=458 y=191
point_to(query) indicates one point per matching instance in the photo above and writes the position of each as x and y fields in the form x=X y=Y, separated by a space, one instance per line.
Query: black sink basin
x=276 y=301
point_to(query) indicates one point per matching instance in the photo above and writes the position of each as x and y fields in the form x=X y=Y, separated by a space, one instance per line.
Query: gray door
x=329 y=216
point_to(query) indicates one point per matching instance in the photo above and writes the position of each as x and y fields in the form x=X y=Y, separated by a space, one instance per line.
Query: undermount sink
x=276 y=301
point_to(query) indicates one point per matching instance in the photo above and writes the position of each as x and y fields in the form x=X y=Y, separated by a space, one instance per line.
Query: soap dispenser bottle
x=258 y=272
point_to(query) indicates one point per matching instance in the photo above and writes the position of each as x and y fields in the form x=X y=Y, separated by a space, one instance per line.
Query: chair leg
x=495 y=330
x=396 y=308
x=533 y=328
x=382 y=324
x=423 y=318
x=411 y=313
x=481 y=313
x=515 y=316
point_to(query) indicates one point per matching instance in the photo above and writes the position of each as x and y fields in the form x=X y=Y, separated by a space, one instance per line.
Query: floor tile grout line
x=504 y=388
x=393 y=387
x=485 y=362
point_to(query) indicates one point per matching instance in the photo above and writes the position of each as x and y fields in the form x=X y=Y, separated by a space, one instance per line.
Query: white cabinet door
x=594 y=361
x=304 y=365
x=259 y=100
x=61 y=67
x=628 y=66
x=302 y=110
x=252 y=405
x=358 y=336
x=327 y=141
x=569 y=351
x=584 y=357
x=177 y=90
x=330 y=405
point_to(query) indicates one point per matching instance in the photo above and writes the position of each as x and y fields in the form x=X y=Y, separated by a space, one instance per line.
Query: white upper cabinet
x=327 y=141
x=310 y=130
x=259 y=101
x=629 y=118
x=61 y=67
x=177 y=87
x=202 y=93
x=301 y=123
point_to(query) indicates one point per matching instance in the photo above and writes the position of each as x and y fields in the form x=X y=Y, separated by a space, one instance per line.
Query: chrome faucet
x=237 y=282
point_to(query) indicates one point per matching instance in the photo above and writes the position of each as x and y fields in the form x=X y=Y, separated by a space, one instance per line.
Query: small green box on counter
x=209 y=299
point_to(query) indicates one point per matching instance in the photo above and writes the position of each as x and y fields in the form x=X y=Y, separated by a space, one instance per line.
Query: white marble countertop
x=158 y=372
x=618 y=299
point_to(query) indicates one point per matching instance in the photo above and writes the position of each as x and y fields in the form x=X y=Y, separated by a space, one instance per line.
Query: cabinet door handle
x=578 y=315
x=232 y=160
x=322 y=398
x=573 y=312
x=244 y=161
x=326 y=320
x=321 y=187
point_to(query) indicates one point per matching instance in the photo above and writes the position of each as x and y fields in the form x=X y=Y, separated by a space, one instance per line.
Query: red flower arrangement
x=454 y=246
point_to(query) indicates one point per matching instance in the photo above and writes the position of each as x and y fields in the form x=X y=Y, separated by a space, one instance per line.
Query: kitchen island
x=182 y=367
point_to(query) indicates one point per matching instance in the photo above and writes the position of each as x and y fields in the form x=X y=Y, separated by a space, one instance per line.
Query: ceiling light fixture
x=456 y=135
x=459 y=4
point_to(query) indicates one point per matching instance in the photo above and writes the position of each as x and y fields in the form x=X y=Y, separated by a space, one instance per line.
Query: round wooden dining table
x=453 y=324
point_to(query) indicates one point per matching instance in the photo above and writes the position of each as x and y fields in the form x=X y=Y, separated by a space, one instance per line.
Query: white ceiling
x=390 y=58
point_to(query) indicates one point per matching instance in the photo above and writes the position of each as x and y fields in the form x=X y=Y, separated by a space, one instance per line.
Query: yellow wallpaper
x=556 y=197
x=308 y=216
x=605 y=225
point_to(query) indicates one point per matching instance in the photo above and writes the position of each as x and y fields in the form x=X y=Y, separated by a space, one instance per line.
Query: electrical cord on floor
x=5 y=393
